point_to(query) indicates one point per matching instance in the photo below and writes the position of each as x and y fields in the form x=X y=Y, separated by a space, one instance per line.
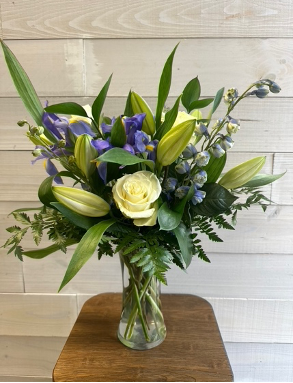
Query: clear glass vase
x=142 y=323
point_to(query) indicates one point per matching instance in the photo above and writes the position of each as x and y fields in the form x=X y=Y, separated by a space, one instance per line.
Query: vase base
x=141 y=346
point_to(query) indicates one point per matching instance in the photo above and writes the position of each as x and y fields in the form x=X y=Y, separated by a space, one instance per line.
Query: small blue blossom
x=202 y=158
x=182 y=168
x=170 y=184
x=198 y=196
x=189 y=152
x=181 y=191
x=200 y=178
x=217 y=151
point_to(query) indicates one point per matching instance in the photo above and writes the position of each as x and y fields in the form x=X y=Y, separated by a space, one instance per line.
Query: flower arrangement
x=144 y=184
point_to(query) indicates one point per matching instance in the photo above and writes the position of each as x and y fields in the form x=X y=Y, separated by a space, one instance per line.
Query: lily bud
x=242 y=173
x=140 y=106
x=81 y=201
x=174 y=142
x=84 y=153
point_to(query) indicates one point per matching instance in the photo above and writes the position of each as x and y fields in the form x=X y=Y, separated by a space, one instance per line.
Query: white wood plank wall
x=69 y=48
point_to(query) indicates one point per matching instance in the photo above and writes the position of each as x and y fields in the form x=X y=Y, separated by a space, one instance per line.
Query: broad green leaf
x=201 y=103
x=100 y=100
x=118 y=134
x=170 y=118
x=217 y=200
x=42 y=253
x=23 y=86
x=167 y=218
x=191 y=93
x=77 y=219
x=85 y=249
x=71 y=108
x=164 y=86
x=262 y=180
x=215 y=167
x=182 y=234
x=123 y=157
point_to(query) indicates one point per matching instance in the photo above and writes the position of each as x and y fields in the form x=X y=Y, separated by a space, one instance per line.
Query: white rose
x=136 y=195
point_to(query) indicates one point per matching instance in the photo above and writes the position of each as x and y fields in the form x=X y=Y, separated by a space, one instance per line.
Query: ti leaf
x=164 y=86
x=262 y=180
x=118 y=135
x=85 y=249
x=217 y=200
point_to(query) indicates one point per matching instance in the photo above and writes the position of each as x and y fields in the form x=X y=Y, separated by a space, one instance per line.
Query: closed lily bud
x=140 y=106
x=174 y=142
x=242 y=173
x=81 y=201
x=84 y=153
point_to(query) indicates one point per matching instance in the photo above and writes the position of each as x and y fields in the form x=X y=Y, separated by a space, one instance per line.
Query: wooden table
x=192 y=351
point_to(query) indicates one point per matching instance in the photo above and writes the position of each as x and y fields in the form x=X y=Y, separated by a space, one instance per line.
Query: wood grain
x=194 y=355
x=11 y=277
x=53 y=19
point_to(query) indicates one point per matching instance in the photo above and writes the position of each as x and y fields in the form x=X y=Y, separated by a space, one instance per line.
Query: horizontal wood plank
x=29 y=357
x=282 y=190
x=54 y=66
x=23 y=19
x=261 y=362
x=19 y=378
x=255 y=59
x=11 y=277
x=66 y=64
x=37 y=314
x=259 y=119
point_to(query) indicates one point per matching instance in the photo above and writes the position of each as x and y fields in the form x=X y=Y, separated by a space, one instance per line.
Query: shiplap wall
x=69 y=49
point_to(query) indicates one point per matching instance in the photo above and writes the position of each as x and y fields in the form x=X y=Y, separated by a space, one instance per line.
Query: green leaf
x=164 y=86
x=217 y=200
x=170 y=118
x=100 y=100
x=215 y=167
x=128 y=108
x=118 y=134
x=42 y=253
x=67 y=108
x=191 y=93
x=167 y=218
x=262 y=180
x=218 y=99
x=182 y=234
x=85 y=249
x=122 y=157
x=77 y=219
x=23 y=86
x=201 y=103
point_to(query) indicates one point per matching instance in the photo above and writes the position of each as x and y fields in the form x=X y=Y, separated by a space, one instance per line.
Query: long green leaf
x=118 y=135
x=215 y=167
x=262 y=180
x=164 y=86
x=42 y=253
x=182 y=234
x=23 y=85
x=100 y=100
x=122 y=157
x=85 y=249
x=67 y=108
